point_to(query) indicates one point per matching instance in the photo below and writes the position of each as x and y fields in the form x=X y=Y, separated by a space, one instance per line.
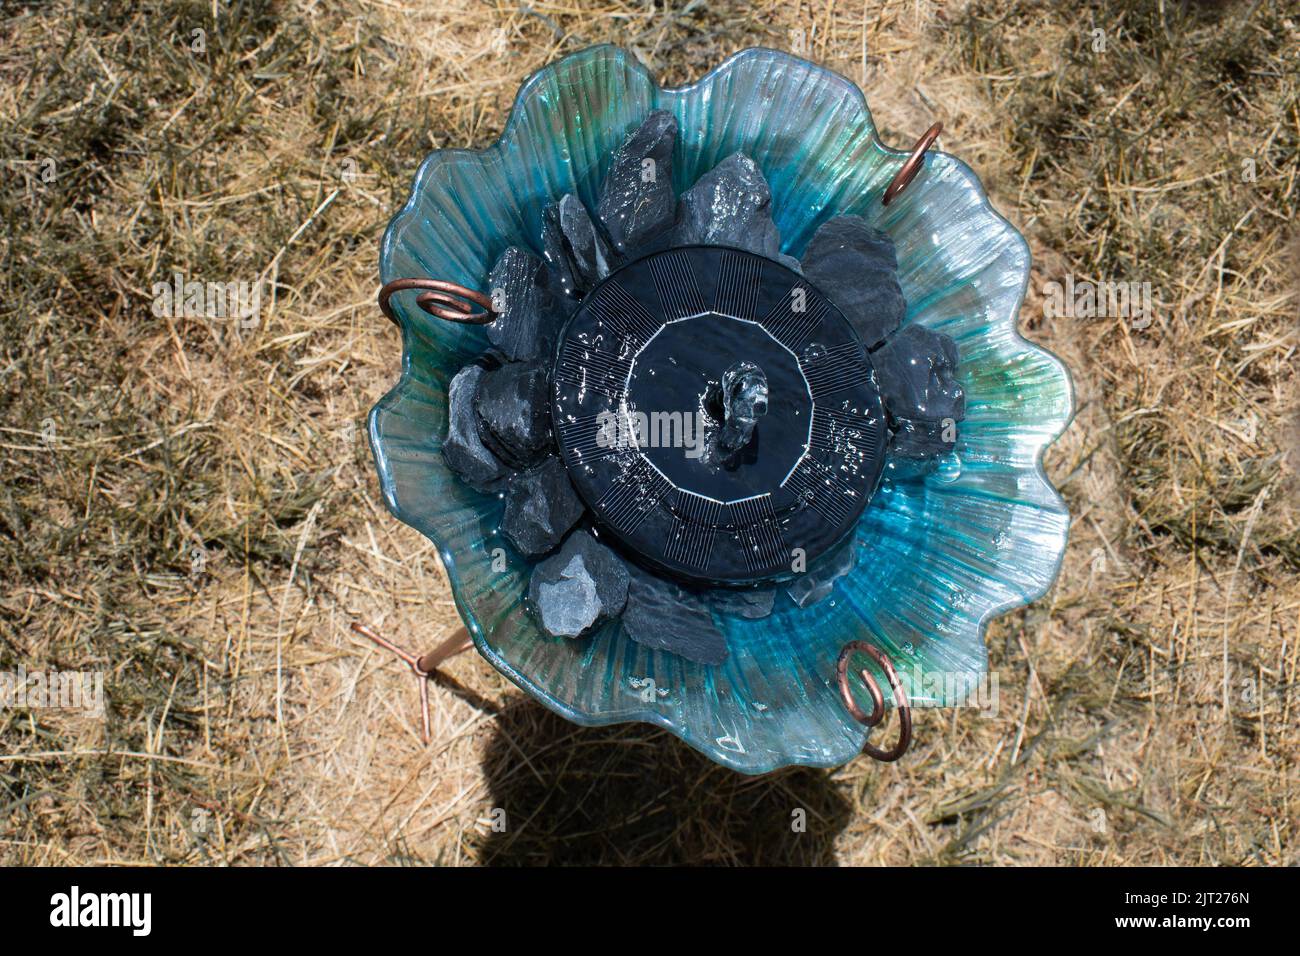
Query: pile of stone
x=499 y=438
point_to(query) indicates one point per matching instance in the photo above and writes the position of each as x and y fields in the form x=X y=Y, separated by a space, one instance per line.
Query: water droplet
x=949 y=468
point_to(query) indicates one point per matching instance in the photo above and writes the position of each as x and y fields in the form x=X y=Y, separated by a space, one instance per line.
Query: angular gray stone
x=574 y=249
x=915 y=369
x=514 y=413
x=541 y=507
x=856 y=266
x=462 y=449
x=530 y=322
x=750 y=604
x=664 y=616
x=818 y=581
x=730 y=205
x=579 y=588
x=637 y=204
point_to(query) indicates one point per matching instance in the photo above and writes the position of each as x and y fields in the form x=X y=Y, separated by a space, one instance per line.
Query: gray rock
x=730 y=205
x=752 y=604
x=637 y=204
x=818 y=581
x=528 y=326
x=575 y=251
x=856 y=266
x=541 y=507
x=664 y=616
x=462 y=449
x=514 y=413
x=916 y=369
x=576 y=590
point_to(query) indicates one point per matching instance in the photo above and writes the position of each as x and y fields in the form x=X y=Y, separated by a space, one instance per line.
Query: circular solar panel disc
x=636 y=411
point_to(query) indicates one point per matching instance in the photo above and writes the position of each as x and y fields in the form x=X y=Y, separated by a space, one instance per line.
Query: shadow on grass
x=629 y=794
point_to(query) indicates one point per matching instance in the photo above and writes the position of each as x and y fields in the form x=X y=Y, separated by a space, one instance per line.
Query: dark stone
x=541 y=507
x=514 y=413
x=576 y=590
x=528 y=326
x=922 y=439
x=752 y=604
x=636 y=212
x=730 y=205
x=855 y=265
x=916 y=369
x=575 y=251
x=818 y=581
x=463 y=450
x=662 y=615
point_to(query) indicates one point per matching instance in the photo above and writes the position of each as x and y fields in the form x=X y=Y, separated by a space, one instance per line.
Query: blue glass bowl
x=937 y=555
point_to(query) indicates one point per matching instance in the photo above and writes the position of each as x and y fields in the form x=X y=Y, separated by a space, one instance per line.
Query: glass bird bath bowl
x=714 y=434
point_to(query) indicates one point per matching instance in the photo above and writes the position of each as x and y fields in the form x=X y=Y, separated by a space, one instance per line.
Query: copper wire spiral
x=877 y=699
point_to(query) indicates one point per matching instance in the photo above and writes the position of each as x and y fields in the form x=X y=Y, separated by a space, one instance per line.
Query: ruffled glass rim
x=866 y=167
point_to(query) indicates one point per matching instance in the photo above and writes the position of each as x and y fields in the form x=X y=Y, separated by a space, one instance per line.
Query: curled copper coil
x=446 y=300
x=877 y=699
x=912 y=165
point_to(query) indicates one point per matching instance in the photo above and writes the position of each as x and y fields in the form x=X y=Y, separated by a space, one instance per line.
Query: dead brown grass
x=203 y=523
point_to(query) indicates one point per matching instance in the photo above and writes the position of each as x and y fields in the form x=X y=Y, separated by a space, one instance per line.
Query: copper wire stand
x=423 y=665
x=454 y=303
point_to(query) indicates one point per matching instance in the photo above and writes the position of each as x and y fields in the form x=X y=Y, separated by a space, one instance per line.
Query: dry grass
x=202 y=521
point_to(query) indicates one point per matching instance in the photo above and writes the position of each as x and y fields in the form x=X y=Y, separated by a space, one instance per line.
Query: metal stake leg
x=423 y=666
